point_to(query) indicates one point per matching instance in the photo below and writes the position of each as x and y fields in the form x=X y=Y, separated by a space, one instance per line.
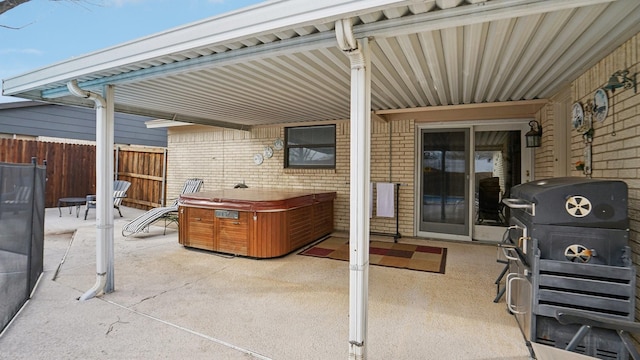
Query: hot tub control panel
x=227 y=214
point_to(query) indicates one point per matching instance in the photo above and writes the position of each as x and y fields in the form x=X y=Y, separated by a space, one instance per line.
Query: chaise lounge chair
x=120 y=188
x=143 y=221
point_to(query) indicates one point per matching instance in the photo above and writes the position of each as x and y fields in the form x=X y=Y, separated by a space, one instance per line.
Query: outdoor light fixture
x=534 y=135
x=620 y=79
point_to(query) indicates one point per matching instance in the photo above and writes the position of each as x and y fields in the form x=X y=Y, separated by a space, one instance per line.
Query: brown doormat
x=404 y=256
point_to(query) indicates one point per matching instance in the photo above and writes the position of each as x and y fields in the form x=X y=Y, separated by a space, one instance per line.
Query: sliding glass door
x=498 y=164
x=445 y=181
x=463 y=175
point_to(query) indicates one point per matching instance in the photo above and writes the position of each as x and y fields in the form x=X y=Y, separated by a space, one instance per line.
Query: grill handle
x=511 y=277
x=520 y=204
x=508 y=249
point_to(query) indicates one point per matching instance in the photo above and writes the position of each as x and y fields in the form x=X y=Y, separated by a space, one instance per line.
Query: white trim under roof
x=162 y=123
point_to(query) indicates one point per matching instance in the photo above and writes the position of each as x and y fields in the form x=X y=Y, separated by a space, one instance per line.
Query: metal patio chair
x=168 y=213
x=120 y=188
x=17 y=200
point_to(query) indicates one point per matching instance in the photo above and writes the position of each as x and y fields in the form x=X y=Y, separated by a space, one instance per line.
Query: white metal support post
x=358 y=53
x=104 y=187
x=105 y=223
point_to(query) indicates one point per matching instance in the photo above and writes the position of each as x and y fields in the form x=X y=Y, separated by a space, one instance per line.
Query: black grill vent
x=582 y=287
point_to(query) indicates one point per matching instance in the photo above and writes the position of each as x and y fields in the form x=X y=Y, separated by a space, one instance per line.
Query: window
x=311 y=147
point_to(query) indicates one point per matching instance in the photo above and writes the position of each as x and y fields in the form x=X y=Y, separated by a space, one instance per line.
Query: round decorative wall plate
x=601 y=106
x=268 y=152
x=257 y=159
x=278 y=144
x=577 y=116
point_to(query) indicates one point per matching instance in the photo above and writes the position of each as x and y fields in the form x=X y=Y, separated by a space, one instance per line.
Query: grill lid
x=575 y=201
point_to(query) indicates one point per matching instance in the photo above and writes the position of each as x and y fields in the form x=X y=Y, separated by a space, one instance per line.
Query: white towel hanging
x=385 y=197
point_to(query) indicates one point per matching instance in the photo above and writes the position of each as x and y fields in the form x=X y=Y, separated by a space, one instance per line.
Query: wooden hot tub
x=260 y=223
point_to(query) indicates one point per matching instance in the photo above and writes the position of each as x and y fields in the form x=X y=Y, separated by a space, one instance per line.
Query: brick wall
x=396 y=141
x=543 y=156
x=616 y=141
x=224 y=158
x=616 y=144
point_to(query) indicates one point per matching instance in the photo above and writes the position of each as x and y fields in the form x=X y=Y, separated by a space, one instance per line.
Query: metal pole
x=358 y=53
x=116 y=171
x=104 y=183
x=106 y=208
x=29 y=225
x=359 y=204
x=163 y=190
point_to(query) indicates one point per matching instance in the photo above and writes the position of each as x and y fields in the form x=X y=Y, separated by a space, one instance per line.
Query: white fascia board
x=264 y=18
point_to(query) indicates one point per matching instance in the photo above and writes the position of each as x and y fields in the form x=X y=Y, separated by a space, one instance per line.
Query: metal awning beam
x=75 y=101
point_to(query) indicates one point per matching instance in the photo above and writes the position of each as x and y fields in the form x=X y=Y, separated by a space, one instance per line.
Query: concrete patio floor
x=171 y=302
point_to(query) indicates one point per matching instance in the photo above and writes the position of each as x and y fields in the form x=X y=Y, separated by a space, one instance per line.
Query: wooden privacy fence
x=144 y=168
x=71 y=169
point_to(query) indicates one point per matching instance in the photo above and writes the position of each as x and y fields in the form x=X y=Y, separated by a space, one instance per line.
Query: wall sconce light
x=534 y=135
x=620 y=79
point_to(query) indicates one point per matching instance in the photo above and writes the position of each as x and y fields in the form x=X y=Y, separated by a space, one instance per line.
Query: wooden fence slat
x=140 y=176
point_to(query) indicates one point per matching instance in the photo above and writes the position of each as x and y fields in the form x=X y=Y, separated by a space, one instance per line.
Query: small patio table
x=71 y=201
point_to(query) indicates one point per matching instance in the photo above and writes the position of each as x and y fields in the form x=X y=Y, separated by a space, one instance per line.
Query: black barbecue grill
x=567 y=250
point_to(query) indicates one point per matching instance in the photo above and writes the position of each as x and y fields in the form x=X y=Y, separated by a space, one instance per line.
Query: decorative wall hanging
x=619 y=79
x=601 y=107
x=278 y=144
x=577 y=116
x=268 y=152
x=258 y=159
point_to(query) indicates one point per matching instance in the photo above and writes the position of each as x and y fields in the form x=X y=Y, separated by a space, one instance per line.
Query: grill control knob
x=578 y=253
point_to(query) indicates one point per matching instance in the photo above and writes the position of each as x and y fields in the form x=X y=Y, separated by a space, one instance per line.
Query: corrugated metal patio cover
x=278 y=62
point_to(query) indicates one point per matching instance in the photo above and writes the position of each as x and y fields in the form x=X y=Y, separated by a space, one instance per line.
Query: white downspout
x=106 y=176
x=358 y=53
x=104 y=190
